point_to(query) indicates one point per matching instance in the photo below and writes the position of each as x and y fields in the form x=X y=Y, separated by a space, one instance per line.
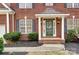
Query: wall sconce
x=58 y=20
x=25 y=17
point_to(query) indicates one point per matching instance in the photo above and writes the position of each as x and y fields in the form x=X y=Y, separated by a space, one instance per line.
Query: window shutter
x=65 y=5
x=33 y=5
x=17 y=5
x=17 y=25
x=54 y=4
x=43 y=4
x=33 y=27
x=65 y=25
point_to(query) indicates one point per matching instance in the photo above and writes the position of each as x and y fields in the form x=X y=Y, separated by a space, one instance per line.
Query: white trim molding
x=54 y=27
x=39 y=27
x=13 y=22
x=9 y=9
x=50 y=15
x=7 y=18
x=44 y=28
x=62 y=29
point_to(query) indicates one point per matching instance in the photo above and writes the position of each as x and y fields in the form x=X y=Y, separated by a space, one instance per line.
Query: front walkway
x=26 y=48
x=73 y=47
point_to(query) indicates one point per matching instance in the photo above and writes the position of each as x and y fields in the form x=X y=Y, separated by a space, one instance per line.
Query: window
x=21 y=5
x=25 y=5
x=69 y=5
x=71 y=24
x=25 y=26
x=49 y=4
x=72 y=5
x=76 y=5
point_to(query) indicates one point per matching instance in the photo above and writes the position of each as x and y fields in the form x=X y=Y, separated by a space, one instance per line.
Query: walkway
x=23 y=48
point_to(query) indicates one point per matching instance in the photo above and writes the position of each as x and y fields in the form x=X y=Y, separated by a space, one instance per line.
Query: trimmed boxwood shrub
x=71 y=34
x=1 y=45
x=13 y=36
x=33 y=36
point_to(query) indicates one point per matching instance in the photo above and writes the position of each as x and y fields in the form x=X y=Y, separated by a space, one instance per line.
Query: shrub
x=1 y=45
x=70 y=35
x=33 y=36
x=78 y=30
x=13 y=36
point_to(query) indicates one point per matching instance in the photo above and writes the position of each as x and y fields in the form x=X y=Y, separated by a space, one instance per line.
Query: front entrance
x=49 y=27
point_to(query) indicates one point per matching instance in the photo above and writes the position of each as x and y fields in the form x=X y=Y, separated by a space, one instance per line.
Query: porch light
x=58 y=20
x=25 y=17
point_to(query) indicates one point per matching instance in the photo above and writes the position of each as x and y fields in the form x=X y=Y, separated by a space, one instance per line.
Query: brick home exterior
x=34 y=13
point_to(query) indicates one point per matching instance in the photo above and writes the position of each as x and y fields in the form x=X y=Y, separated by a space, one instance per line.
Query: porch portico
x=51 y=31
x=5 y=18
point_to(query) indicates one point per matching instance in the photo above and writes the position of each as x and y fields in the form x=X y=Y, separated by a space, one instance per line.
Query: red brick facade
x=37 y=8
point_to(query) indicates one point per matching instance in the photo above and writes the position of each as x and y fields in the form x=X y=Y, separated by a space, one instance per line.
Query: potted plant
x=1 y=45
x=12 y=37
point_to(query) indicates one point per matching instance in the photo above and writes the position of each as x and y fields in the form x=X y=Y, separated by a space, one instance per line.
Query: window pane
x=21 y=5
x=69 y=5
x=70 y=24
x=22 y=26
x=28 y=5
x=76 y=5
x=29 y=25
x=49 y=4
x=22 y=22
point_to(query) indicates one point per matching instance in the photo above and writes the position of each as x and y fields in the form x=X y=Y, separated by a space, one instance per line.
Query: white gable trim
x=7 y=7
x=50 y=15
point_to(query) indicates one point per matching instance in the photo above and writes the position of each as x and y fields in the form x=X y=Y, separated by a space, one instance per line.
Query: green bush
x=1 y=45
x=70 y=35
x=13 y=36
x=33 y=36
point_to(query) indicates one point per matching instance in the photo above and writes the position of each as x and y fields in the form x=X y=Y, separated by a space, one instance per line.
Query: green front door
x=49 y=27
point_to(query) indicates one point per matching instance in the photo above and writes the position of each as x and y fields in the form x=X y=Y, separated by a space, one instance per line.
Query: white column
x=62 y=26
x=39 y=27
x=13 y=22
x=7 y=18
x=44 y=28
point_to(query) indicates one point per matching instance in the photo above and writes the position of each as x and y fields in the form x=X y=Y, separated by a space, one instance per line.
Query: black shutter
x=43 y=4
x=33 y=5
x=54 y=4
x=17 y=25
x=65 y=5
x=33 y=27
x=17 y=5
x=65 y=25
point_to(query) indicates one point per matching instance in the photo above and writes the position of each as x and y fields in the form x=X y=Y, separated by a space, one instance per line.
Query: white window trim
x=54 y=27
x=25 y=26
x=44 y=28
